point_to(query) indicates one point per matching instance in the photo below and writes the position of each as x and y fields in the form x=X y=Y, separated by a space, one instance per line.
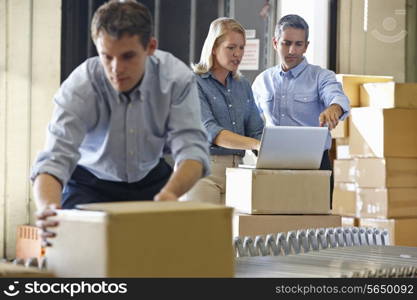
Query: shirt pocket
x=267 y=104
x=306 y=108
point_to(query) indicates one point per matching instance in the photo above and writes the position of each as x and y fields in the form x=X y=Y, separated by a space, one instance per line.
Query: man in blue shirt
x=296 y=93
x=113 y=117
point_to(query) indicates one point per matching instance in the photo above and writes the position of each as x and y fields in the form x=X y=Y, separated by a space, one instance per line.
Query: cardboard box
x=350 y=222
x=406 y=95
x=387 y=203
x=389 y=95
x=344 y=200
x=344 y=170
x=143 y=239
x=341 y=130
x=256 y=191
x=383 y=132
x=351 y=85
x=342 y=148
x=402 y=232
x=385 y=172
x=252 y=225
x=377 y=95
x=11 y=270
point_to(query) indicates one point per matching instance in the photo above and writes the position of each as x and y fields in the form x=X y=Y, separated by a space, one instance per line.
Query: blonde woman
x=228 y=110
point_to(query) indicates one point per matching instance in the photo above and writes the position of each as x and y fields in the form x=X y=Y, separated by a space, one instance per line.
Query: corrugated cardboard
x=341 y=130
x=344 y=170
x=344 y=200
x=383 y=132
x=402 y=232
x=389 y=95
x=385 y=172
x=251 y=225
x=11 y=270
x=351 y=85
x=143 y=239
x=406 y=94
x=387 y=203
x=256 y=191
x=350 y=222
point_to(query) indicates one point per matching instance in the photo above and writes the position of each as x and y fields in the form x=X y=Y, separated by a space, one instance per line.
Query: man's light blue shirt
x=121 y=137
x=298 y=97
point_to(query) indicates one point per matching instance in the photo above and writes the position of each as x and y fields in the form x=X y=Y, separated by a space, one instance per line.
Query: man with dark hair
x=296 y=93
x=113 y=117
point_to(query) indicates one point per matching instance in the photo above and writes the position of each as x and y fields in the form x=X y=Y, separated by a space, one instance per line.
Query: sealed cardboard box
x=251 y=225
x=344 y=200
x=385 y=172
x=350 y=222
x=11 y=270
x=256 y=191
x=351 y=85
x=383 y=132
x=389 y=95
x=387 y=203
x=341 y=130
x=402 y=232
x=143 y=239
x=344 y=170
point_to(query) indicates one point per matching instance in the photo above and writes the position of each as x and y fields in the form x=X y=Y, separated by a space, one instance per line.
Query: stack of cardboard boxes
x=376 y=166
x=272 y=201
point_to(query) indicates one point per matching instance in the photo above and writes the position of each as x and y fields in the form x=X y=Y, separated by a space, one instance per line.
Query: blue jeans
x=84 y=187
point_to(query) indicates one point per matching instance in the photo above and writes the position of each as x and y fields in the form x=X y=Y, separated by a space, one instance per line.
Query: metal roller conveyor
x=355 y=261
x=302 y=241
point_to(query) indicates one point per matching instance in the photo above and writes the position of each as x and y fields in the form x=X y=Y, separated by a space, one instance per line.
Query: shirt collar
x=210 y=74
x=296 y=70
x=139 y=91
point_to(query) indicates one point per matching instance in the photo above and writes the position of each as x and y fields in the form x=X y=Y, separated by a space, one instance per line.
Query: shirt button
x=131 y=152
x=230 y=105
x=214 y=97
x=283 y=96
x=228 y=90
x=234 y=123
x=282 y=115
x=131 y=130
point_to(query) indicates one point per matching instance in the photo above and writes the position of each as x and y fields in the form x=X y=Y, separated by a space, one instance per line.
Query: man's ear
x=153 y=44
x=275 y=43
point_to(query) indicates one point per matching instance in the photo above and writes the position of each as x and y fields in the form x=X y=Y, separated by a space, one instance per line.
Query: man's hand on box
x=45 y=225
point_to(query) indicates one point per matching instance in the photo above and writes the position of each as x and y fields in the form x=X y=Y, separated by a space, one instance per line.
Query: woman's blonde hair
x=217 y=32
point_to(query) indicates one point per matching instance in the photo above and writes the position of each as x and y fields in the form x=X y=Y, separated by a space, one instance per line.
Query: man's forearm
x=46 y=191
x=184 y=177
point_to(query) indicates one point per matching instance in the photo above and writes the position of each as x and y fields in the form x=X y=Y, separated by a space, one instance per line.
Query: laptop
x=291 y=147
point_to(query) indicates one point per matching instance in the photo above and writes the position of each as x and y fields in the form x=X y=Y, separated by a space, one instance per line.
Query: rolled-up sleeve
x=187 y=137
x=331 y=92
x=71 y=117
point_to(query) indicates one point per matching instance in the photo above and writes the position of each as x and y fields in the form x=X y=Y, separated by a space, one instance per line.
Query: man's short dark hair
x=117 y=18
x=293 y=21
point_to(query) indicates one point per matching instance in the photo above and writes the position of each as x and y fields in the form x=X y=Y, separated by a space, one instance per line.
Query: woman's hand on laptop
x=330 y=116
